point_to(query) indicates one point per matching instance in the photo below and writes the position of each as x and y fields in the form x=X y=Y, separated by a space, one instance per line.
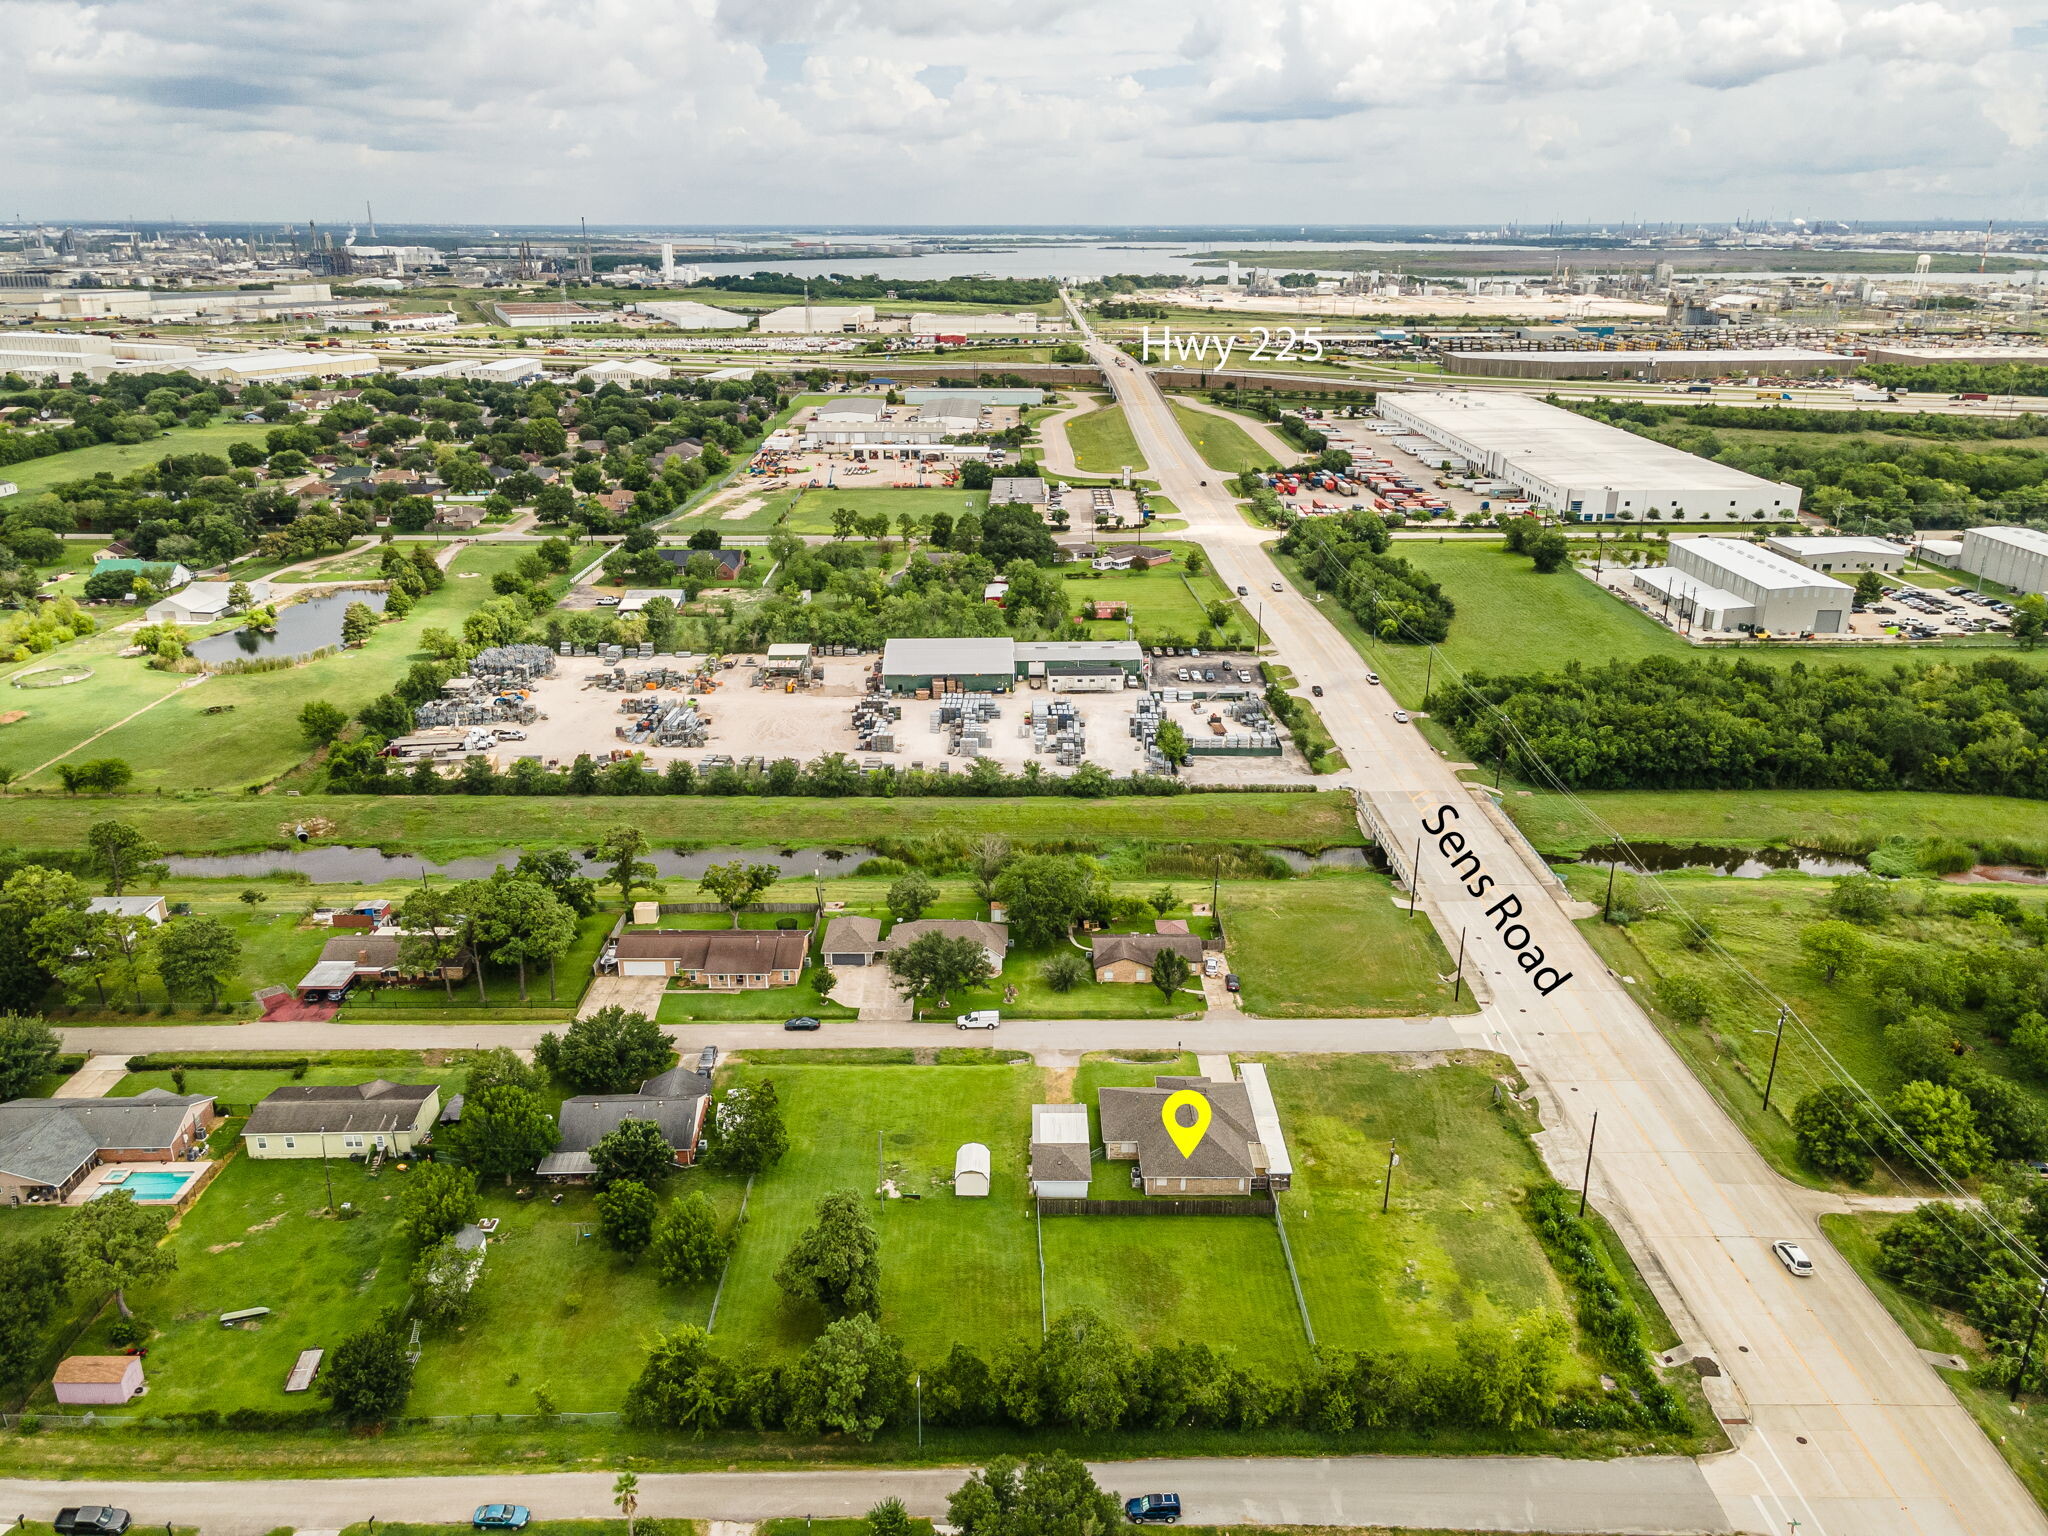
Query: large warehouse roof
x=2028 y=540
x=1747 y=358
x=1563 y=447
x=1754 y=564
x=949 y=658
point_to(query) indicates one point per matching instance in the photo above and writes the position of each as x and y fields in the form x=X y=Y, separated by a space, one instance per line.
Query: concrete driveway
x=635 y=994
x=871 y=990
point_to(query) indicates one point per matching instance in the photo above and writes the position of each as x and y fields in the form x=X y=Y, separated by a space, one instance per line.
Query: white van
x=981 y=1018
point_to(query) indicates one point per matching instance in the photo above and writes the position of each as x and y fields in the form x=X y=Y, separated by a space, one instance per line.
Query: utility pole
x=1586 y=1183
x=1387 y=1188
x=920 y=1410
x=1415 y=877
x=1775 y=1043
x=1458 y=990
x=1607 y=907
x=1428 y=676
x=2027 y=1351
x=326 y=1172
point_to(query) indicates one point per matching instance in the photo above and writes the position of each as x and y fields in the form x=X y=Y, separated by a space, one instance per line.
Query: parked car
x=1153 y=1509
x=500 y=1517
x=91 y=1520
x=981 y=1018
x=804 y=1022
x=1793 y=1257
x=1316 y=689
x=1230 y=982
x=707 y=1060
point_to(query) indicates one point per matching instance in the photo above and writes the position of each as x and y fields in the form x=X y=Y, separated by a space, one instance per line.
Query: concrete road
x=1838 y=1422
x=1656 y=1496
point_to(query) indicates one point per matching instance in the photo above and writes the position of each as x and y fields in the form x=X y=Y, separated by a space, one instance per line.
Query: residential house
x=342 y=1119
x=169 y=575
x=459 y=517
x=853 y=940
x=376 y=958
x=149 y=908
x=1230 y=1159
x=102 y=1380
x=730 y=959
x=675 y=1102
x=728 y=561
x=1061 y=1162
x=1129 y=957
x=48 y=1146
x=994 y=938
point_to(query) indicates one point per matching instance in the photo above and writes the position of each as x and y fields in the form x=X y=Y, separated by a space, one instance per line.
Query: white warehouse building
x=689 y=315
x=1585 y=470
x=2012 y=557
x=1854 y=555
x=818 y=319
x=1732 y=585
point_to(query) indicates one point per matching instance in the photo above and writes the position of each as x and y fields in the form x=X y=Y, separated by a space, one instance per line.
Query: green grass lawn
x=366 y=560
x=1102 y=443
x=1165 y=601
x=952 y=1269
x=1223 y=445
x=178 y=745
x=684 y=1006
x=1802 y=817
x=35 y=476
x=240 y=1088
x=501 y=985
x=1335 y=946
x=1758 y=923
x=811 y=511
x=449 y=826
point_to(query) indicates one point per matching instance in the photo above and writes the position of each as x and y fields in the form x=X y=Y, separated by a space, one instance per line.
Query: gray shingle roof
x=373 y=1106
x=1108 y=948
x=1133 y=1114
x=587 y=1117
x=851 y=934
x=1060 y=1160
x=993 y=937
x=147 y=1122
x=46 y=1149
x=722 y=952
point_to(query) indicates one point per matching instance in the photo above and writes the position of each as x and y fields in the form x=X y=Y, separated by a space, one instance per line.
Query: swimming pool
x=149 y=1186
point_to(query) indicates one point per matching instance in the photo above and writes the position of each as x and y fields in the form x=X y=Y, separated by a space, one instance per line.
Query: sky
x=915 y=112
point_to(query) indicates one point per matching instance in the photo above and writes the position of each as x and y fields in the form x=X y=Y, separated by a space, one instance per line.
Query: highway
x=1837 y=1422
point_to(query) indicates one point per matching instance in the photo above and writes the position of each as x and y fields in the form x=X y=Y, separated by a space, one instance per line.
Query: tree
x=737 y=884
x=368 y=1376
x=444 y=1283
x=521 y=922
x=1054 y=1492
x=626 y=1495
x=687 y=1245
x=612 y=1051
x=625 y=1216
x=1172 y=741
x=1862 y=899
x=1045 y=894
x=1066 y=970
x=119 y=852
x=1686 y=999
x=357 y=620
x=990 y=856
x=31 y=1290
x=910 y=894
x=1090 y=1372
x=101 y=776
x=499 y=1067
x=2029 y=620
x=934 y=964
x=632 y=1150
x=1941 y=1120
x=437 y=1200
x=197 y=954
x=503 y=1130
x=834 y=1262
x=852 y=1380
x=28 y=1054
x=890 y=1518
x=1170 y=972
x=1547 y=551
x=561 y=872
x=431 y=924
x=746 y=1131
x=1835 y=1131
x=320 y=722
x=682 y=1386
x=1869 y=588
x=1834 y=946
x=619 y=848
x=112 y=1243
x=1163 y=900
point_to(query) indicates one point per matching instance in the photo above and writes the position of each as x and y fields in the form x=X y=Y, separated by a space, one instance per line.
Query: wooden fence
x=1257 y=1205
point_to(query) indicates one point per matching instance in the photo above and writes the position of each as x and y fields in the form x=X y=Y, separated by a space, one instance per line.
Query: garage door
x=643 y=968
x=846 y=959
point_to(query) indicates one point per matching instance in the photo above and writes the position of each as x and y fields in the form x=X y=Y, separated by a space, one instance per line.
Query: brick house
x=731 y=959
x=48 y=1146
x=1128 y=957
x=1229 y=1160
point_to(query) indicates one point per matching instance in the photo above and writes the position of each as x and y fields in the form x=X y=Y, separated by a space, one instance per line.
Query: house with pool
x=72 y=1150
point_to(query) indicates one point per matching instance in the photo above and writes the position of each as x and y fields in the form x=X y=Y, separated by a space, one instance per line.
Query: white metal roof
x=1752 y=563
x=1750 y=356
x=1662 y=578
x=1060 y=1123
x=971 y=1158
x=1265 y=1117
x=1829 y=544
x=2031 y=540
x=949 y=658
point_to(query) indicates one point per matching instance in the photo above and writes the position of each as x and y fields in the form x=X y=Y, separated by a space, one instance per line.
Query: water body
x=302 y=629
x=1080 y=262
x=1741 y=863
x=336 y=864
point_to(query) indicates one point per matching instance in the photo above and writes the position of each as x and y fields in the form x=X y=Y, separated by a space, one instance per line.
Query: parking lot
x=1921 y=613
x=768 y=723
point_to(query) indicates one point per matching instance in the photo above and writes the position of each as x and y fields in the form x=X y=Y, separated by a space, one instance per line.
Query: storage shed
x=958 y=665
x=970 y=1169
x=99 y=1379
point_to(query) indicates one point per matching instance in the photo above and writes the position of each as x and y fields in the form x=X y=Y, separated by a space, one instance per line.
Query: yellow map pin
x=1186 y=1137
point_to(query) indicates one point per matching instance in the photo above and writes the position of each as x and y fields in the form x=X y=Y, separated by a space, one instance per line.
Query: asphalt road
x=1837 y=1421
x=1655 y=1496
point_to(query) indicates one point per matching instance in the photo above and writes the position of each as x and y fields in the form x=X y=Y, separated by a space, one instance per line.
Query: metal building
x=2012 y=557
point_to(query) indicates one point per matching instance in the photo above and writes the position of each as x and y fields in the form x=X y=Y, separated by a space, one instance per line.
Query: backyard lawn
x=1222 y=444
x=1164 y=600
x=1335 y=946
x=1102 y=443
x=35 y=476
x=811 y=511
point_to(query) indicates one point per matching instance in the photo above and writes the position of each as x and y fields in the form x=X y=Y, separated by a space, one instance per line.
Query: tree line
x=1348 y=555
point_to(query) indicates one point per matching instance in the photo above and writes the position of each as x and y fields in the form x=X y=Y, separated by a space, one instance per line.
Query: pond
x=302 y=629
x=1741 y=863
x=338 y=865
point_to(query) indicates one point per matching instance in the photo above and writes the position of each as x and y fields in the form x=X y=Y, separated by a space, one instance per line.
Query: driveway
x=635 y=994
x=96 y=1079
x=871 y=990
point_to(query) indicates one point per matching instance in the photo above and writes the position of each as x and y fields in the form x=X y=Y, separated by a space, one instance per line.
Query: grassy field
x=35 y=476
x=251 y=738
x=1757 y=922
x=1102 y=443
x=1335 y=946
x=811 y=511
x=1223 y=445
x=449 y=826
x=1165 y=601
x=1511 y=619
x=1802 y=817
x=239 y=1088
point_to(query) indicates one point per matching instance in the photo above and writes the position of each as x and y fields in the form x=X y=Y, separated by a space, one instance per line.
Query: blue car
x=1153 y=1509
x=501 y=1517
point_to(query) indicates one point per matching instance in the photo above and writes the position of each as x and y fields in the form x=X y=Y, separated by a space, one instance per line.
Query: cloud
x=1032 y=111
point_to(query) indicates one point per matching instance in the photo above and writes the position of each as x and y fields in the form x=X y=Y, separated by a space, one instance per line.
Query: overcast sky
x=1027 y=111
